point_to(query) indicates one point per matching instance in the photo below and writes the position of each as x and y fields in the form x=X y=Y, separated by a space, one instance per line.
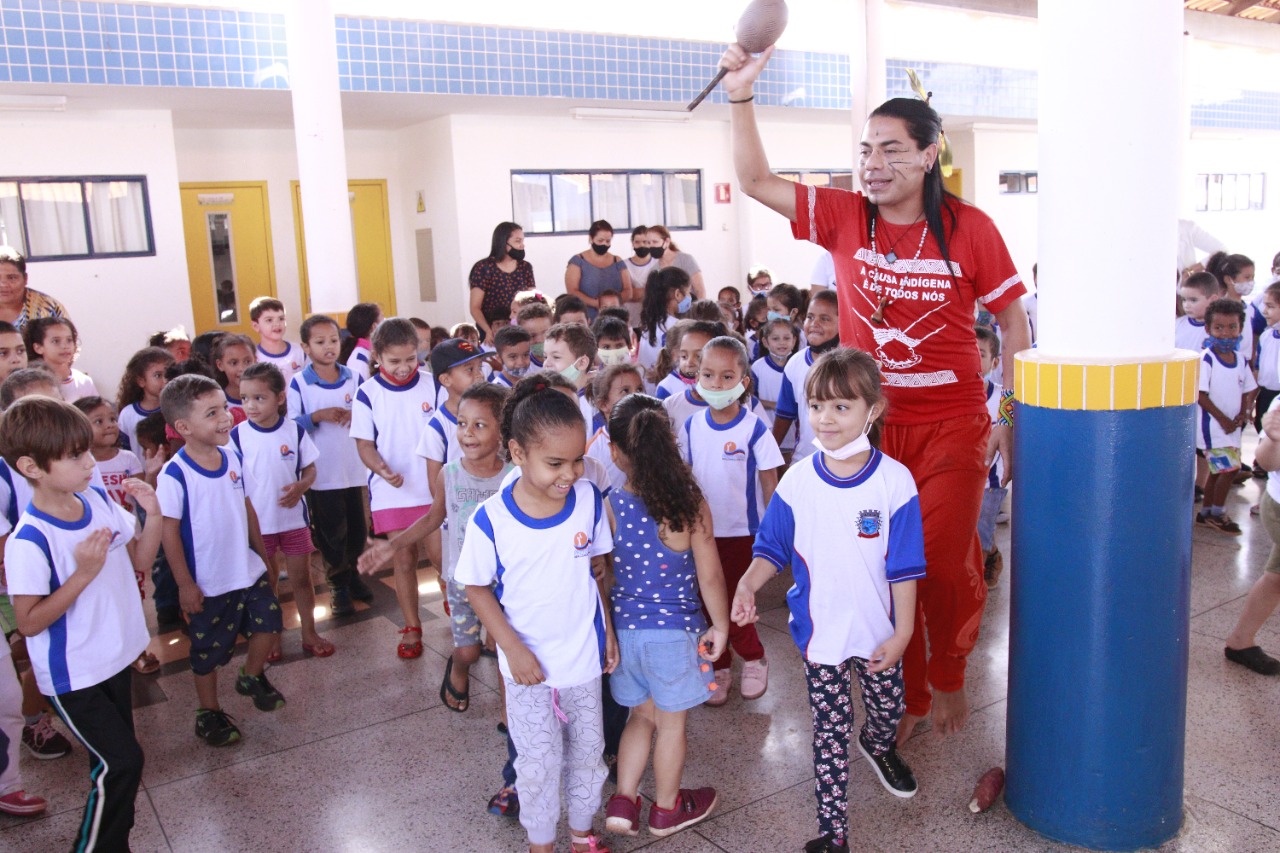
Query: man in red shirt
x=911 y=262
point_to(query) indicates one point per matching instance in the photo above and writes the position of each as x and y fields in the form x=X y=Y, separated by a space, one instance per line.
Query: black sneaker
x=265 y=697
x=168 y=618
x=358 y=589
x=825 y=844
x=1255 y=659
x=340 y=603
x=894 y=773
x=215 y=728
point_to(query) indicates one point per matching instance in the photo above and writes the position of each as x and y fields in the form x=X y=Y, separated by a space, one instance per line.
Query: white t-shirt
x=846 y=541
x=104 y=630
x=792 y=403
x=1225 y=385
x=15 y=491
x=439 y=440
x=672 y=385
x=1031 y=304
x=543 y=572
x=273 y=459
x=1269 y=359
x=766 y=383
x=679 y=408
x=115 y=471
x=290 y=362
x=500 y=378
x=824 y=272
x=647 y=353
x=393 y=417
x=130 y=416
x=598 y=449
x=727 y=460
x=639 y=278
x=214 y=521
x=77 y=386
x=339 y=465
x=996 y=473
x=360 y=362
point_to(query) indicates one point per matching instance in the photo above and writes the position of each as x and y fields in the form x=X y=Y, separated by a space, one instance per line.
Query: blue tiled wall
x=60 y=41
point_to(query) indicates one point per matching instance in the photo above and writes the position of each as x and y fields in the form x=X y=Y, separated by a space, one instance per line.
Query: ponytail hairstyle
x=707 y=310
x=924 y=125
x=135 y=372
x=361 y=320
x=657 y=292
x=790 y=296
x=537 y=404
x=1220 y=264
x=265 y=371
x=641 y=431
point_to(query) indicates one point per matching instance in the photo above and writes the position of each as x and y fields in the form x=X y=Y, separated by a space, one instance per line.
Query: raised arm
x=749 y=160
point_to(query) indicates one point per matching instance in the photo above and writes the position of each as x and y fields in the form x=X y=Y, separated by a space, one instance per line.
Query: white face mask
x=861 y=444
x=1244 y=288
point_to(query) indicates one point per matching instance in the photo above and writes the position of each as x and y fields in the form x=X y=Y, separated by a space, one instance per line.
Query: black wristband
x=746 y=100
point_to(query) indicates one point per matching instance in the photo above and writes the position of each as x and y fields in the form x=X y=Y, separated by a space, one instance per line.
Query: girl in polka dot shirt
x=664 y=556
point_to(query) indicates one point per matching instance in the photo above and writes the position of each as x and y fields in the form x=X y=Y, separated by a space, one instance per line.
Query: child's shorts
x=213 y=630
x=397 y=518
x=663 y=665
x=291 y=542
x=463 y=621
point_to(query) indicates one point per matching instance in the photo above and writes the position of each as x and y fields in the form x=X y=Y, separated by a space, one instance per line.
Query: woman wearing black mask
x=497 y=279
x=639 y=266
x=596 y=270
x=667 y=254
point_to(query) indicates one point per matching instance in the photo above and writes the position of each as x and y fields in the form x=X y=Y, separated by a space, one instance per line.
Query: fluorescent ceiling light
x=47 y=103
x=606 y=114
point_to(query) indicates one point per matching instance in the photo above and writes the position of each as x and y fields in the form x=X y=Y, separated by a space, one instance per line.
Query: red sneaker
x=22 y=803
x=622 y=816
x=692 y=806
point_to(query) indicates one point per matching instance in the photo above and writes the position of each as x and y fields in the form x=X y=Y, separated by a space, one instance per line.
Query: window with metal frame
x=567 y=201
x=67 y=218
x=841 y=179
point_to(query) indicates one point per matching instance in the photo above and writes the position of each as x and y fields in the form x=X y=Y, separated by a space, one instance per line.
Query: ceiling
x=1266 y=11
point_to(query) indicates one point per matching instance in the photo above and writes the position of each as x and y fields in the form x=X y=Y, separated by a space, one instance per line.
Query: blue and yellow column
x=1101 y=573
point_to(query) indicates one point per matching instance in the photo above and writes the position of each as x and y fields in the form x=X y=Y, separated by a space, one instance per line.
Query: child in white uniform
x=1226 y=394
x=822 y=331
x=735 y=461
x=55 y=341
x=279 y=467
x=997 y=487
x=267 y=316
x=139 y=394
x=768 y=373
x=543 y=539
x=847 y=522
x=362 y=319
x=387 y=419
x=610 y=386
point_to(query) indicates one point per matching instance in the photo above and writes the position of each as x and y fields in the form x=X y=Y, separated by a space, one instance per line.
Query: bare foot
x=907 y=727
x=950 y=712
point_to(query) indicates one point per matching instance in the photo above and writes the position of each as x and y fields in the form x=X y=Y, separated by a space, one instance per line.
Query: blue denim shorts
x=661 y=664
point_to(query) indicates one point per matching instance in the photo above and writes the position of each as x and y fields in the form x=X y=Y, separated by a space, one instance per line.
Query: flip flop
x=275 y=657
x=463 y=698
x=322 y=649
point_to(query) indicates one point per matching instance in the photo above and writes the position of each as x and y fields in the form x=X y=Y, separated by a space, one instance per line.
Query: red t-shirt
x=926 y=347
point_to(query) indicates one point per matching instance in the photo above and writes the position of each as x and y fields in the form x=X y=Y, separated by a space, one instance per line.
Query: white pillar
x=322 y=163
x=876 y=85
x=1109 y=176
x=859 y=60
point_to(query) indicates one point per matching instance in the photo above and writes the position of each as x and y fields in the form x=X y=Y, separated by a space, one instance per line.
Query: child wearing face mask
x=847 y=522
x=786 y=302
x=666 y=295
x=679 y=393
x=571 y=352
x=1226 y=394
x=735 y=460
x=613 y=340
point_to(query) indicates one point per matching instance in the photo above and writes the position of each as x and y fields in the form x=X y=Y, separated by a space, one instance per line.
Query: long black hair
x=925 y=127
x=640 y=429
x=657 y=291
x=501 y=236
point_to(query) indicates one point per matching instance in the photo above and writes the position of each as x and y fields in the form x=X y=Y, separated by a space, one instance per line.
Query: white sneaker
x=755 y=678
x=724 y=680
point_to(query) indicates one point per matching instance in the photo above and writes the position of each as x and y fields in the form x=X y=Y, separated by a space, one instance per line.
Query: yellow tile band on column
x=1103 y=385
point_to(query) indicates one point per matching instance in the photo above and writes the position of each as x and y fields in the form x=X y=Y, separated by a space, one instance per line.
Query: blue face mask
x=685 y=304
x=774 y=315
x=1223 y=344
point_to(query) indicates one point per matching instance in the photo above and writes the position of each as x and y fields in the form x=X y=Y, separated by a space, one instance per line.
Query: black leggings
x=338 y=529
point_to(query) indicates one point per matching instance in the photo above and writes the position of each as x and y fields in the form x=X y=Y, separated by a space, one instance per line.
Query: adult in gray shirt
x=669 y=255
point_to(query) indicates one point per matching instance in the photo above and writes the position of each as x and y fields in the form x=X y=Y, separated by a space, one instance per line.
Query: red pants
x=735 y=559
x=947 y=460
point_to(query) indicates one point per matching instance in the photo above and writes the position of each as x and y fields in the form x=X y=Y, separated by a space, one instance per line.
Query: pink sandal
x=591 y=840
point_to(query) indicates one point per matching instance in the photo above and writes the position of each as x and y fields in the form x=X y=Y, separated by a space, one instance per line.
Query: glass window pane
x=1255 y=190
x=682 y=200
x=531 y=202
x=609 y=197
x=11 y=218
x=842 y=180
x=816 y=179
x=1242 y=192
x=55 y=219
x=1228 y=192
x=1215 y=192
x=1202 y=192
x=794 y=177
x=571 y=195
x=646 y=199
x=117 y=216
x=222 y=266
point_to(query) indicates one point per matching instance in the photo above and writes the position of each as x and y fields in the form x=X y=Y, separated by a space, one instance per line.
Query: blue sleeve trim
x=905 y=557
x=787 y=406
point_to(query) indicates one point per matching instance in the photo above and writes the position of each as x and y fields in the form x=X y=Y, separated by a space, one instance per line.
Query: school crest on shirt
x=285 y=451
x=581 y=542
x=869 y=524
x=733 y=452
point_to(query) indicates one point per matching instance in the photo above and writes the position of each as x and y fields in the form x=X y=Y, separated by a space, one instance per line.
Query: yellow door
x=229 y=260
x=371 y=230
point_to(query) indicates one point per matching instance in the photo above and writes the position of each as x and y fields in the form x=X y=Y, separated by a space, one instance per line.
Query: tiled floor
x=365 y=758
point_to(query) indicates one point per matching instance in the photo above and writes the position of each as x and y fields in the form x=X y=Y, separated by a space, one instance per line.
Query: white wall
x=1008 y=149
x=116 y=303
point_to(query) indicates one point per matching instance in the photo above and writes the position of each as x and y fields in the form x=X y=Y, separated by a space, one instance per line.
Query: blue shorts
x=662 y=665
x=213 y=630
